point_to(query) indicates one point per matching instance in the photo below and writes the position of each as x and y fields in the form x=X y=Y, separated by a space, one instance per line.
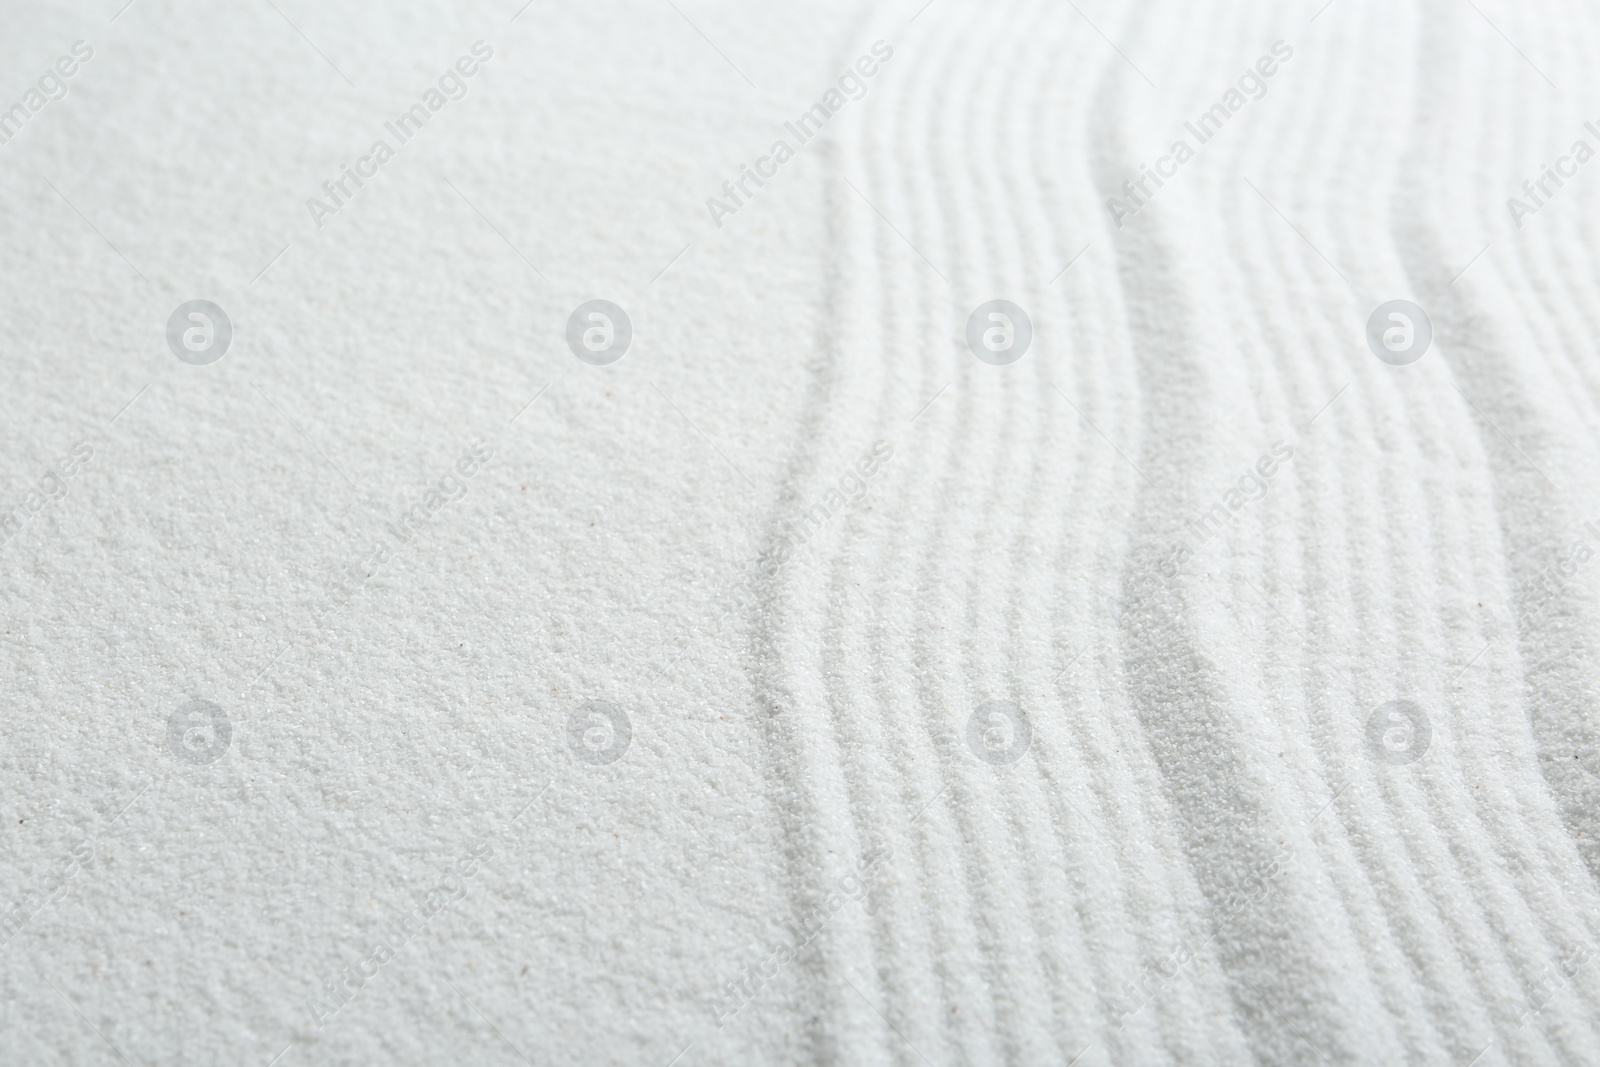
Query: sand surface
x=795 y=664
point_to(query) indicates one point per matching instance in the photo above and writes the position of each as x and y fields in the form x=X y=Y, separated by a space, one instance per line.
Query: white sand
x=570 y=712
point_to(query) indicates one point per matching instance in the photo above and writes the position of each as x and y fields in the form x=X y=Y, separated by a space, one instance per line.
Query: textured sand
x=403 y=688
